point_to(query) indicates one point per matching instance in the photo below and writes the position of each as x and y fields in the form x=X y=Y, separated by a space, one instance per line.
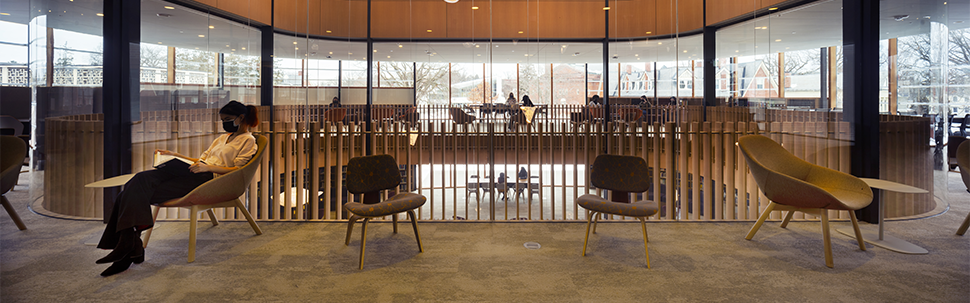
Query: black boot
x=129 y=243
x=117 y=267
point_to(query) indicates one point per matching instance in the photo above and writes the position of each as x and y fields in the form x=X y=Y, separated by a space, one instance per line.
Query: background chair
x=963 y=160
x=795 y=185
x=621 y=175
x=369 y=176
x=11 y=158
x=222 y=191
x=459 y=116
x=335 y=115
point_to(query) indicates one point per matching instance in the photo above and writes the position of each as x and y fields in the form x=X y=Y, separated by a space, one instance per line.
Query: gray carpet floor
x=53 y=261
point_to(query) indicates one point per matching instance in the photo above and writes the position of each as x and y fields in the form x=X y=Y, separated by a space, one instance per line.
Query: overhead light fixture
x=294 y=42
x=400 y=46
x=429 y=30
x=777 y=40
x=100 y=15
x=212 y=26
x=7 y=14
x=474 y=7
x=169 y=7
x=606 y=8
x=329 y=32
x=451 y=1
x=201 y=36
x=772 y=8
x=521 y=32
x=649 y=33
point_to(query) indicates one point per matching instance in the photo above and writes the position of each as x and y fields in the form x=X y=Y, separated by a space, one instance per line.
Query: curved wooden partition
x=699 y=176
x=436 y=19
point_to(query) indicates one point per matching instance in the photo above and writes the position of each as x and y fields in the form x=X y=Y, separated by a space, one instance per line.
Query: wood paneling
x=495 y=19
x=633 y=18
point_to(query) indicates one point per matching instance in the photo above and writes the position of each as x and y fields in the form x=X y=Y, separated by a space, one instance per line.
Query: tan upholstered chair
x=12 y=152
x=795 y=185
x=369 y=176
x=963 y=160
x=222 y=191
x=459 y=116
x=621 y=175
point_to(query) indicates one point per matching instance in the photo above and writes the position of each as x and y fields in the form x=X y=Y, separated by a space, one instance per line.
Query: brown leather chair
x=622 y=175
x=795 y=185
x=12 y=152
x=369 y=176
x=222 y=191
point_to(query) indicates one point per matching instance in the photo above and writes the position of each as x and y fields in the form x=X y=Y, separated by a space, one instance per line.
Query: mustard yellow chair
x=963 y=161
x=795 y=185
x=12 y=152
x=222 y=191
x=621 y=175
x=369 y=176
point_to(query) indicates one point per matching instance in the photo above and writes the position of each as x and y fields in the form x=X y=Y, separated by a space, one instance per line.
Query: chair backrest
x=788 y=180
x=335 y=115
x=372 y=173
x=963 y=161
x=226 y=187
x=9 y=122
x=620 y=173
x=12 y=152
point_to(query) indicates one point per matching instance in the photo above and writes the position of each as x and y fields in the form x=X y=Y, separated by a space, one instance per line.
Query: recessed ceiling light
x=429 y=30
x=476 y=45
x=329 y=32
x=100 y=15
x=169 y=7
x=777 y=40
x=7 y=14
x=474 y=7
x=331 y=53
x=660 y=43
x=350 y=53
x=201 y=36
x=227 y=45
x=375 y=50
x=159 y=43
x=388 y=57
x=649 y=33
x=772 y=8
x=400 y=46
x=234 y=49
x=606 y=8
x=521 y=32
x=212 y=26
x=243 y=48
x=294 y=42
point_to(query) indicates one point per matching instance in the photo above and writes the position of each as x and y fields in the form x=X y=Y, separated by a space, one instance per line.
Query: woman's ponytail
x=252 y=116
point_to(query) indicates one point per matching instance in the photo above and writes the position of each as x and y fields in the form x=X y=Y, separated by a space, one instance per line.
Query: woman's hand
x=199 y=167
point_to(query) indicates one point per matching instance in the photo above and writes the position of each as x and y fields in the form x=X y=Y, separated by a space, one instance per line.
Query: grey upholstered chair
x=369 y=176
x=795 y=185
x=12 y=152
x=963 y=160
x=223 y=191
x=621 y=175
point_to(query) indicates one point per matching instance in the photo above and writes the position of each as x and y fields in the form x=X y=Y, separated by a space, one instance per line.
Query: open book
x=174 y=164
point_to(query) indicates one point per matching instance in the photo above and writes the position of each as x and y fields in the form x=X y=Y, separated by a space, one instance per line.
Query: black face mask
x=230 y=126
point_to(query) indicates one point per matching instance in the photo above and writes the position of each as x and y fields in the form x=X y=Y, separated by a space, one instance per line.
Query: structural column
x=122 y=36
x=860 y=33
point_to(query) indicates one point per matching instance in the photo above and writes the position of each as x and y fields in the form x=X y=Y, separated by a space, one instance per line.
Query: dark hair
x=511 y=96
x=238 y=109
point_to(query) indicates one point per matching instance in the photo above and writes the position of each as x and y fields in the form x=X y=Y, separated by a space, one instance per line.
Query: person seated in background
x=645 y=102
x=526 y=101
x=511 y=102
x=595 y=101
x=409 y=115
x=335 y=102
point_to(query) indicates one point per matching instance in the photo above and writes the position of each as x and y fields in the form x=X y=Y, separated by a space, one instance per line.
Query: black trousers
x=133 y=206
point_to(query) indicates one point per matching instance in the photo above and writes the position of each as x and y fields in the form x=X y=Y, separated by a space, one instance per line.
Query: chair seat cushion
x=600 y=205
x=398 y=203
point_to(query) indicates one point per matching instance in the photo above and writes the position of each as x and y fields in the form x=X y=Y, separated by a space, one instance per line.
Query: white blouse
x=235 y=153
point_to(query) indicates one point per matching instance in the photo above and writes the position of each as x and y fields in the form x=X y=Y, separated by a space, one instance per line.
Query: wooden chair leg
x=212 y=217
x=363 y=241
x=596 y=220
x=414 y=224
x=589 y=221
x=13 y=213
x=249 y=217
x=858 y=232
x=643 y=224
x=826 y=240
x=784 y=224
x=193 y=223
x=761 y=220
x=350 y=228
x=964 y=226
x=394 y=218
x=148 y=233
